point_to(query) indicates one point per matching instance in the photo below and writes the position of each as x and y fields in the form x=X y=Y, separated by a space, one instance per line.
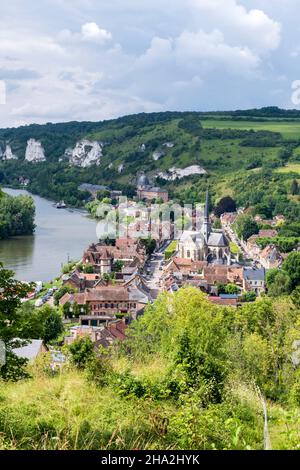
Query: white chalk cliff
x=85 y=154
x=34 y=152
x=177 y=173
x=8 y=154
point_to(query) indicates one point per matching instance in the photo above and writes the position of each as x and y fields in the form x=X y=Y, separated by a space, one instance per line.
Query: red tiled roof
x=224 y=302
x=268 y=233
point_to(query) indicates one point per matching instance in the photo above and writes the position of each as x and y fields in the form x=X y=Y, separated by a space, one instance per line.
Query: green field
x=289 y=130
x=290 y=168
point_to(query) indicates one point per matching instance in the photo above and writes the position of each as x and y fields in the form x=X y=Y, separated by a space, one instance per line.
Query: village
x=117 y=278
x=153 y=252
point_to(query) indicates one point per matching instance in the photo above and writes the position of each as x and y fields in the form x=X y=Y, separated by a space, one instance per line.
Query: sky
x=63 y=60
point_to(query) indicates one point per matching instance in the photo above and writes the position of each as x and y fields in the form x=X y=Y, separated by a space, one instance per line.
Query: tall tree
x=11 y=293
x=226 y=204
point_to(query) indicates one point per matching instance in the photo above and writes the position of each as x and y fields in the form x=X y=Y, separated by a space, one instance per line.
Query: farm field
x=289 y=130
x=290 y=168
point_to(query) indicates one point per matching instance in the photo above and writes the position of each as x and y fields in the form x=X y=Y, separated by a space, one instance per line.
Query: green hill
x=228 y=145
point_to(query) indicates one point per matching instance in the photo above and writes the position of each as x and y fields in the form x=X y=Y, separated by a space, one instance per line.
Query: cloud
x=253 y=27
x=92 y=32
x=85 y=59
x=210 y=50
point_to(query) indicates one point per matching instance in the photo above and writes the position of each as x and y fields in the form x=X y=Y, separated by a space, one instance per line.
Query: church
x=147 y=192
x=205 y=245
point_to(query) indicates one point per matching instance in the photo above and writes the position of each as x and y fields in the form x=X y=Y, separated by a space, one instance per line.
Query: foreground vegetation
x=190 y=376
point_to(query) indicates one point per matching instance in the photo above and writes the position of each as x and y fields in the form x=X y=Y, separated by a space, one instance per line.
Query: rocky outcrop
x=176 y=173
x=157 y=155
x=34 y=152
x=8 y=154
x=85 y=154
x=121 y=168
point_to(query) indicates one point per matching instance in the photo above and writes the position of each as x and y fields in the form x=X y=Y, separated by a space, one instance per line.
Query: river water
x=60 y=234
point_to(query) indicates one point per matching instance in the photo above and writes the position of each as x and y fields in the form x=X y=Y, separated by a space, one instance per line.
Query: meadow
x=289 y=130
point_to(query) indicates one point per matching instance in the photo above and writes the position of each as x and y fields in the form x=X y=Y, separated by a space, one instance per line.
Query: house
x=102 y=257
x=268 y=233
x=252 y=247
x=231 y=301
x=115 y=331
x=228 y=219
x=184 y=266
x=147 y=192
x=100 y=335
x=270 y=257
x=254 y=280
x=201 y=275
x=80 y=281
x=32 y=350
x=207 y=244
x=105 y=303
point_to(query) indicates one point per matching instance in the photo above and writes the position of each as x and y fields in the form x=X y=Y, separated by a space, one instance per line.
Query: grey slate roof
x=217 y=239
x=30 y=351
x=251 y=274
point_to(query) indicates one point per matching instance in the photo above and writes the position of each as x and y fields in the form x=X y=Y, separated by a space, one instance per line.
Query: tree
x=149 y=244
x=296 y=297
x=52 y=323
x=217 y=224
x=292 y=266
x=118 y=266
x=11 y=293
x=246 y=226
x=82 y=351
x=295 y=188
x=249 y=296
x=16 y=216
x=271 y=276
x=280 y=285
x=226 y=204
x=43 y=323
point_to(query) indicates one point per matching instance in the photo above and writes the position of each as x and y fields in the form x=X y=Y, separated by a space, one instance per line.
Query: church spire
x=206 y=224
x=206 y=210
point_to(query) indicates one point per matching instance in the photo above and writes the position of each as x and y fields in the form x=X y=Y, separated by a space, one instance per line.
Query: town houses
x=129 y=252
x=116 y=279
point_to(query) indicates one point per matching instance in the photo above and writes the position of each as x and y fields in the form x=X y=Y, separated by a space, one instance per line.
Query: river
x=60 y=234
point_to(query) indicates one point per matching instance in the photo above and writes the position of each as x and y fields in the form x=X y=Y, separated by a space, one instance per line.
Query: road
x=154 y=270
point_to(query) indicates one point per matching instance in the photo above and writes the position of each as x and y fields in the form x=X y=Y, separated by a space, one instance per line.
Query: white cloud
x=92 y=32
x=254 y=27
x=212 y=50
x=85 y=59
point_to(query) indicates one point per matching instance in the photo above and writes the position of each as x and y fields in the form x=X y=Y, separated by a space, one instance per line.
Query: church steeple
x=206 y=224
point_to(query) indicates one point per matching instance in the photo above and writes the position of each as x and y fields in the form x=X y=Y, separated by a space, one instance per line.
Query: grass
x=234 y=248
x=289 y=168
x=289 y=130
x=67 y=413
x=171 y=250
